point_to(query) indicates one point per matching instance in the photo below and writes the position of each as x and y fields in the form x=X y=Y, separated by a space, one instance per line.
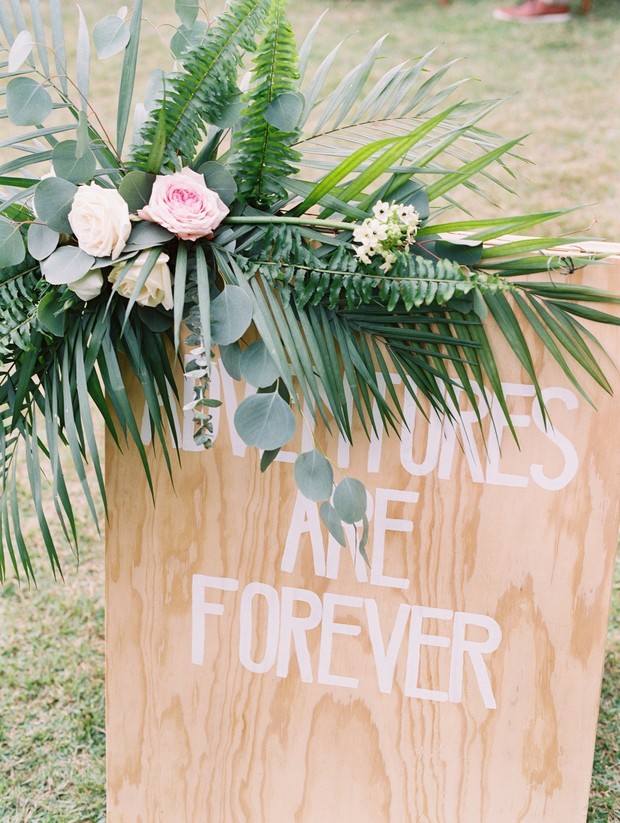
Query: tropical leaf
x=261 y=158
x=200 y=94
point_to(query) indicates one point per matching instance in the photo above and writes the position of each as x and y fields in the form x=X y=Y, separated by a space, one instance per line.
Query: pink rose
x=183 y=204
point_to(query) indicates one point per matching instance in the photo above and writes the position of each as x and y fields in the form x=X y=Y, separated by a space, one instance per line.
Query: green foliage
x=300 y=165
x=202 y=92
x=20 y=292
x=261 y=157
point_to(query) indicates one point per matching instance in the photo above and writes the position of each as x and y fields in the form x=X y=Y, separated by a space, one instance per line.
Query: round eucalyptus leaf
x=69 y=166
x=265 y=421
x=284 y=111
x=220 y=180
x=350 y=500
x=51 y=313
x=231 y=315
x=27 y=102
x=187 y=38
x=231 y=355
x=12 y=248
x=53 y=198
x=145 y=235
x=258 y=366
x=334 y=525
x=110 y=36
x=229 y=115
x=20 y=50
x=135 y=189
x=66 y=264
x=187 y=11
x=314 y=475
x=41 y=241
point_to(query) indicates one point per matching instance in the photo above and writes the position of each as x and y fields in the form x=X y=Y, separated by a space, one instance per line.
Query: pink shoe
x=534 y=11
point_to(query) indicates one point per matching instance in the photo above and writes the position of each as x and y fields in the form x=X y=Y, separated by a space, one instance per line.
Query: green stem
x=314 y=222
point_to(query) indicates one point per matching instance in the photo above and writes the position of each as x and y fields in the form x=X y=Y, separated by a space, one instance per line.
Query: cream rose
x=100 y=221
x=89 y=286
x=183 y=204
x=157 y=289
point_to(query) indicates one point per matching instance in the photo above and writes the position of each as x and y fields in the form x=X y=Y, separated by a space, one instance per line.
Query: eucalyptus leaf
x=284 y=111
x=66 y=265
x=187 y=11
x=20 y=50
x=41 y=241
x=220 y=180
x=187 y=37
x=110 y=36
x=145 y=235
x=334 y=525
x=28 y=103
x=231 y=315
x=265 y=421
x=12 y=248
x=314 y=475
x=349 y=500
x=51 y=313
x=135 y=189
x=53 y=198
x=258 y=367
x=69 y=166
x=231 y=355
x=229 y=114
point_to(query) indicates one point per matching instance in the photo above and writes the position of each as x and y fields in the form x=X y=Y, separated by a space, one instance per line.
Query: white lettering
x=293 y=628
x=246 y=631
x=475 y=649
x=329 y=628
x=383 y=523
x=201 y=608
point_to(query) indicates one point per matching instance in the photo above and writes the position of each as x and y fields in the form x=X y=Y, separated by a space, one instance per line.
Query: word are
x=284 y=633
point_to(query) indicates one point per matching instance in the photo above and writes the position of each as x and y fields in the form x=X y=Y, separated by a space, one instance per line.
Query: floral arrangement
x=253 y=193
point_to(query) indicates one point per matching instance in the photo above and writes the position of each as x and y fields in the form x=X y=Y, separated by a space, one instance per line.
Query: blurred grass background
x=561 y=85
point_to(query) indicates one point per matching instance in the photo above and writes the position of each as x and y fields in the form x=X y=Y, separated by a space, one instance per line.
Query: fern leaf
x=200 y=94
x=261 y=150
x=20 y=293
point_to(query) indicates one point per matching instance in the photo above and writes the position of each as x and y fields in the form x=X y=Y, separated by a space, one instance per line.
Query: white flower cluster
x=392 y=228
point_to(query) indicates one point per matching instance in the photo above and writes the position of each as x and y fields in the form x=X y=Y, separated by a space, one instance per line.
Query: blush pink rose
x=183 y=204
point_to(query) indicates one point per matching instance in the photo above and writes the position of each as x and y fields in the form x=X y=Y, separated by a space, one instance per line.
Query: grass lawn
x=560 y=85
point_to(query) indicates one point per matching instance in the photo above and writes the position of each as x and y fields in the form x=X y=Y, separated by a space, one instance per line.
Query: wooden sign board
x=257 y=671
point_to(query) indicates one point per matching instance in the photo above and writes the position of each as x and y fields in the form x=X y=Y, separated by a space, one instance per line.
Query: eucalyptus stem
x=314 y=222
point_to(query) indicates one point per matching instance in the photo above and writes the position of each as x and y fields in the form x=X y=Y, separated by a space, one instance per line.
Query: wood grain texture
x=217 y=743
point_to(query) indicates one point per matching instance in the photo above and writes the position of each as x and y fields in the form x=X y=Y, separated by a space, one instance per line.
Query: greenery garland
x=319 y=217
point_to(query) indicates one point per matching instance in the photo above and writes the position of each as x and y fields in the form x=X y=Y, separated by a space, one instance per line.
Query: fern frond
x=261 y=153
x=20 y=292
x=208 y=84
x=288 y=262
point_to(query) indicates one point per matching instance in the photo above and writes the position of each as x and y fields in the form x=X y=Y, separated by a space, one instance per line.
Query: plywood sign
x=259 y=672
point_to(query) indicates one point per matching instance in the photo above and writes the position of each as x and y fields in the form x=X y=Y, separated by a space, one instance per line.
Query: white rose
x=88 y=286
x=157 y=289
x=100 y=221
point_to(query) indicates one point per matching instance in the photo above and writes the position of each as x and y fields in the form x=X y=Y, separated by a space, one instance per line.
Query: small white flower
x=381 y=209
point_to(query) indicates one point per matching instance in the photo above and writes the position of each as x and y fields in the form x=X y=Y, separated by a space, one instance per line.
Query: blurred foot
x=534 y=11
